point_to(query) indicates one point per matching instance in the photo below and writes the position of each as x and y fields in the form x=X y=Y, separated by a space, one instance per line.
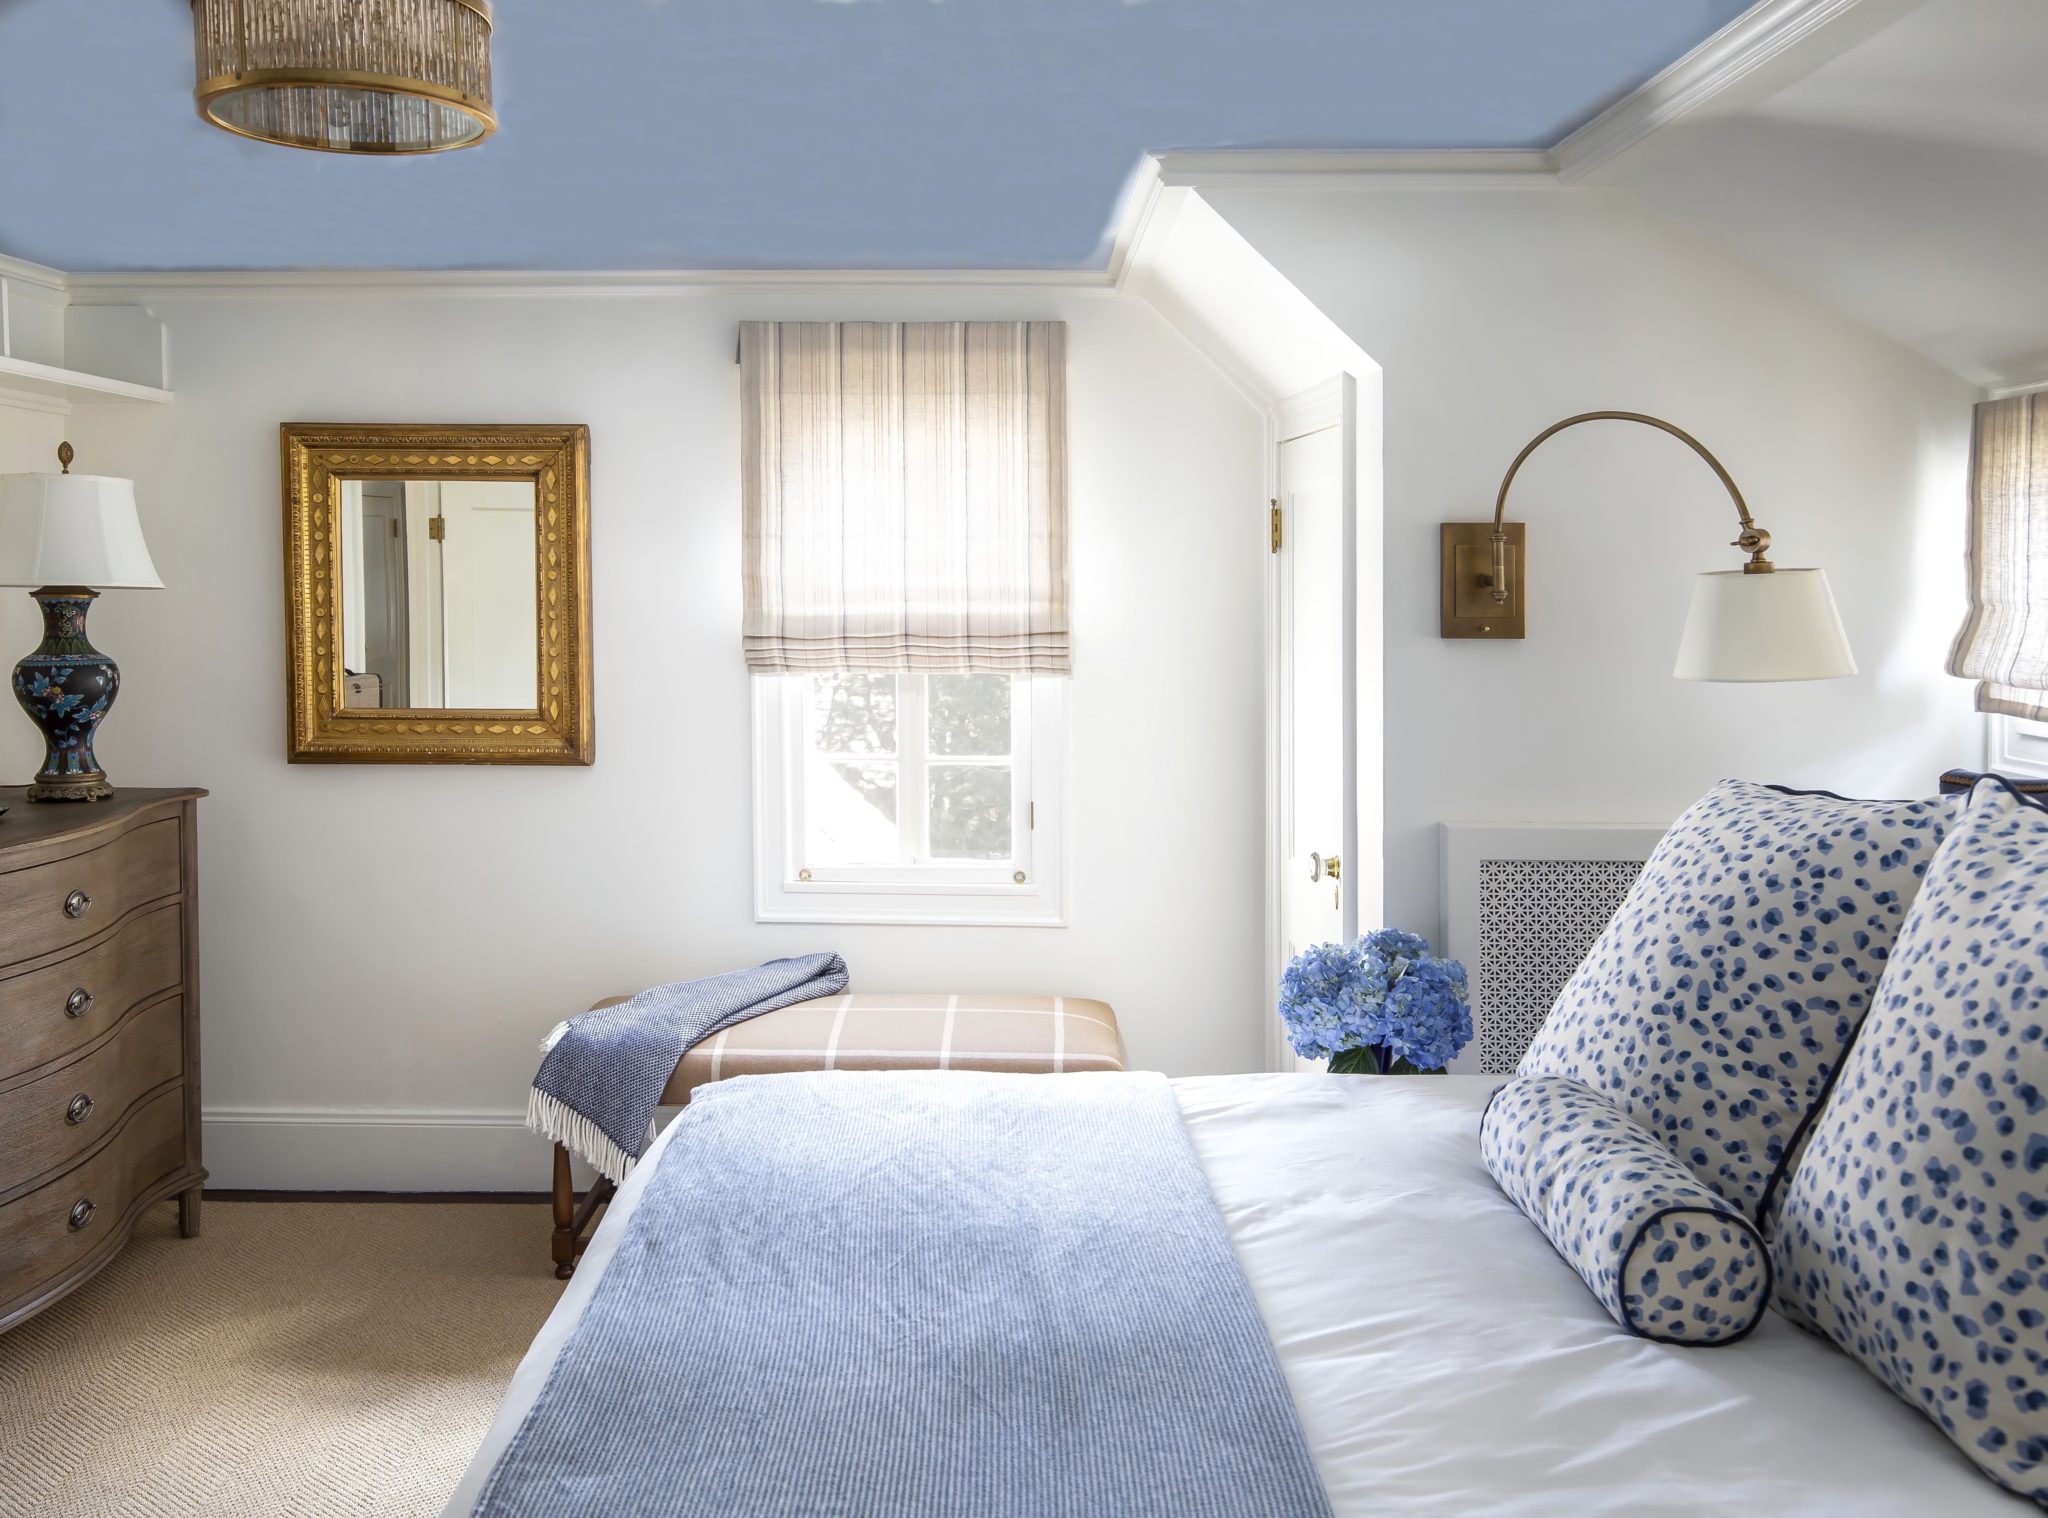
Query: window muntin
x=911 y=771
x=912 y=797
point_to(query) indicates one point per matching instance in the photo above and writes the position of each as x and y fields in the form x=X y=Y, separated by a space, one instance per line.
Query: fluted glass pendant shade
x=347 y=76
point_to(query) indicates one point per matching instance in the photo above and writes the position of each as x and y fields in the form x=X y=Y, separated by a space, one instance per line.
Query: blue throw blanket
x=605 y=1070
x=918 y=1295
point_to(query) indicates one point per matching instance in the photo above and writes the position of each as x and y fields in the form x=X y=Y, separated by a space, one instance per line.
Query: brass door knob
x=1318 y=867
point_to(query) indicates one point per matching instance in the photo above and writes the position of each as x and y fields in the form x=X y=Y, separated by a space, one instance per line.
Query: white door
x=490 y=616
x=1315 y=651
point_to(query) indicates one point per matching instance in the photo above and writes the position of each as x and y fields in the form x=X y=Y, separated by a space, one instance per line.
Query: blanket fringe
x=556 y=1119
x=555 y=1034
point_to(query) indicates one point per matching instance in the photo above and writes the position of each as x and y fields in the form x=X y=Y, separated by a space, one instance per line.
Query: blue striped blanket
x=605 y=1070
x=909 y=1295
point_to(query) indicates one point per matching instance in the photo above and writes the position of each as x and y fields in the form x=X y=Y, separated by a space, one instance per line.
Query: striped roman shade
x=904 y=493
x=2004 y=642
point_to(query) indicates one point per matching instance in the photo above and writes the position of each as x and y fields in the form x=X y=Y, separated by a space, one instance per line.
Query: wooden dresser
x=99 y=1032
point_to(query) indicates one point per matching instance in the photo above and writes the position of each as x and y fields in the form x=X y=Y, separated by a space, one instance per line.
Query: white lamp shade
x=72 y=529
x=1779 y=626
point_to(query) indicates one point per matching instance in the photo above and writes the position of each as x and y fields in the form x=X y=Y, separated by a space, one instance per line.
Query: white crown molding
x=1136 y=210
x=31 y=400
x=1769 y=33
x=32 y=274
x=1352 y=169
x=292 y=284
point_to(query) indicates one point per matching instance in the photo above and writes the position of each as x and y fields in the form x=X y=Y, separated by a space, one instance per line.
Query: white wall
x=383 y=947
x=1493 y=313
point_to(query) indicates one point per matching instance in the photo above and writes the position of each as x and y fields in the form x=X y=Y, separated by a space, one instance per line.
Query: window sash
x=942 y=893
x=913 y=764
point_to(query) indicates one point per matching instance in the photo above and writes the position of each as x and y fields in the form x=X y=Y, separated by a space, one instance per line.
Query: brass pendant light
x=347 y=76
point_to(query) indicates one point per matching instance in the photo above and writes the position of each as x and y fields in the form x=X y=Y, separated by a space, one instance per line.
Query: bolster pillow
x=1669 y=1258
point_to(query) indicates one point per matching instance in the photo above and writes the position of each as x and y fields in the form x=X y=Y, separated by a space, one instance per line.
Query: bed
x=1442 y=1358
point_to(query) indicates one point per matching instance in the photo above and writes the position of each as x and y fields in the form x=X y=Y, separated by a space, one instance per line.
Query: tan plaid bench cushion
x=872 y=1030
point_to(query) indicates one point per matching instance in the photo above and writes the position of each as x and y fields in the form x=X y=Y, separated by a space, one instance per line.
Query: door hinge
x=1030 y=816
x=1276 y=526
x=437 y=528
x=394 y=526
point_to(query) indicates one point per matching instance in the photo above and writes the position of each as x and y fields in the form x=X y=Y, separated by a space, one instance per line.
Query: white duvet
x=1445 y=1360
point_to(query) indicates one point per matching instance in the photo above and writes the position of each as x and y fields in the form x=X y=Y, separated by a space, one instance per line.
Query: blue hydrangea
x=1382 y=1002
x=1428 y=1016
x=1327 y=1004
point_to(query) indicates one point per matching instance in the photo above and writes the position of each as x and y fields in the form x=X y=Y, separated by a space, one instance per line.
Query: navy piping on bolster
x=1763 y=1299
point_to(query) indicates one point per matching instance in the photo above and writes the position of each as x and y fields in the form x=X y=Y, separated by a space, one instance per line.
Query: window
x=912 y=797
x=2019 y=746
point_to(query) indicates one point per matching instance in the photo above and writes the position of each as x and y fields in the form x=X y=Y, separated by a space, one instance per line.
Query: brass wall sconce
x=1756 y=623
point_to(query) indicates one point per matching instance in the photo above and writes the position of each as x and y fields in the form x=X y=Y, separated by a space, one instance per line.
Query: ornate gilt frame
x=561 y=728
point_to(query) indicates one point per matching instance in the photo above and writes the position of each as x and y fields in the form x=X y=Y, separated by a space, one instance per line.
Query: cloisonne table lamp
x=68 y=537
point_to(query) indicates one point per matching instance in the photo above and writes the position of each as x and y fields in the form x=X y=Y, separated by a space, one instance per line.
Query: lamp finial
x=65 y=456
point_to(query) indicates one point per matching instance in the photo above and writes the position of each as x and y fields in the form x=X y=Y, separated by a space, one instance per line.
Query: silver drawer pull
x=81 y=1213
x=79 y=1110
x=77 y=904
x=78 y=1003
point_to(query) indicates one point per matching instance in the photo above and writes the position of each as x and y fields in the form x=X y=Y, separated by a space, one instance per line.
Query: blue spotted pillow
x=1915 y=1228
x=1669 y=1259
x=1716 y=1004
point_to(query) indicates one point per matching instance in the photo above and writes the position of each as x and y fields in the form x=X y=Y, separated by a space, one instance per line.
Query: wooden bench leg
x=574 y=1223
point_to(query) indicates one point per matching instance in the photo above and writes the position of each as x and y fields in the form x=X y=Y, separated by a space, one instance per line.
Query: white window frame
x=2017 y=747
x=966 y=893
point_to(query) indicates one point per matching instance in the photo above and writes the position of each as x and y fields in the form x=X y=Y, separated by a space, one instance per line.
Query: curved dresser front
x=99 y=1032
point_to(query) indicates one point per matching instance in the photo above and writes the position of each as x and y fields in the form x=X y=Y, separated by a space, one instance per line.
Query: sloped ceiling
x=1904 y=182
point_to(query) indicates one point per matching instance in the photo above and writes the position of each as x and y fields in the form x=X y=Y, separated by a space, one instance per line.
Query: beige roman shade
x=904 y=495
x=2004 y=642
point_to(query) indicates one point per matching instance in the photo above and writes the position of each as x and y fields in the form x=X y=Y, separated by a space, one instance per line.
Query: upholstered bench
x=868 y=1030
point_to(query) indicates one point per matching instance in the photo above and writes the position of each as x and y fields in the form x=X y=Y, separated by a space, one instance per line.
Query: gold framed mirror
x=437 y=594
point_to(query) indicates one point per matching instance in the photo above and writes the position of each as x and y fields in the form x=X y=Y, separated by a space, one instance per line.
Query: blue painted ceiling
x=648 y=134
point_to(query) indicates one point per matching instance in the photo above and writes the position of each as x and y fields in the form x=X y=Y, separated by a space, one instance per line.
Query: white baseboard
x=372 y=1149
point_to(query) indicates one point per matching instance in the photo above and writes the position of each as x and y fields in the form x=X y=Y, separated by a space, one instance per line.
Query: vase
x=66 y=686
x=1374 y=1061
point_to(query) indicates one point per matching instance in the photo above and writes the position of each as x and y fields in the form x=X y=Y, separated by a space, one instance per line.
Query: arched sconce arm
x=1483 y=566
x=1752 y=540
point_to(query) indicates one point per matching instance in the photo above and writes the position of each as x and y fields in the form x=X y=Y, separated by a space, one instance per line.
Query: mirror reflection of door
x=374 y=621
x=439 y=606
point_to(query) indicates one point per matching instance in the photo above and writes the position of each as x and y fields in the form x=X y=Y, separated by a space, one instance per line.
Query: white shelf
x=72 y=385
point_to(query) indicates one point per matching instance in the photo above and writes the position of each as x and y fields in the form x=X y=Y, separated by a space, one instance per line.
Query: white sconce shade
x=72 y=529
x=1759 y=627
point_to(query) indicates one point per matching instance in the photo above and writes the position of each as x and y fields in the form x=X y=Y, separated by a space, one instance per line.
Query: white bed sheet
x=1446 y=1362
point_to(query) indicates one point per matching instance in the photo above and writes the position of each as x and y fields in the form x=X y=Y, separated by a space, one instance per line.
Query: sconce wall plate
x=1468 y=607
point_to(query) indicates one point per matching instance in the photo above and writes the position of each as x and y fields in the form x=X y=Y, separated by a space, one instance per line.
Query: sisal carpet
x=297 y=1360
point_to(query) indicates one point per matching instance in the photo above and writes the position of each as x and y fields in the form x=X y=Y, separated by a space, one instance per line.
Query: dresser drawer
x=46 y=1124
x=44 y=1234
x=52 y=906
x=53 y=1012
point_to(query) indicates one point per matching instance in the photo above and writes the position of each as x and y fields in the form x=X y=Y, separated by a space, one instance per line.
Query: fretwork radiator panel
x=1522 y=905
